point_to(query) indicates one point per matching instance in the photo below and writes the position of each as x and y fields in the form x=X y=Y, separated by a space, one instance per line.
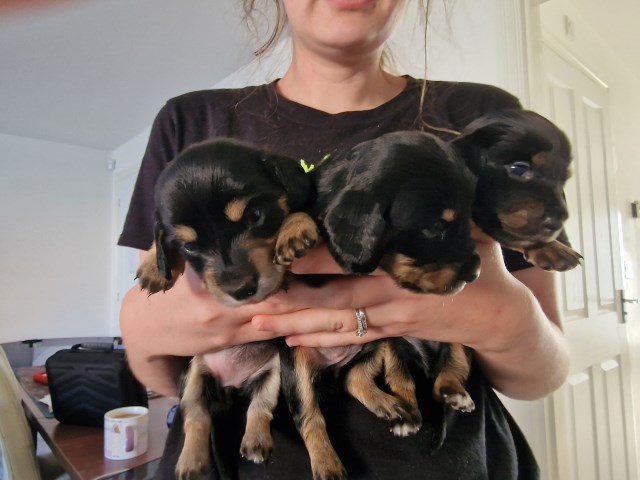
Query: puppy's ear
x=291 y=176
x=167 y=258
x=476 y=140
x=355 y=229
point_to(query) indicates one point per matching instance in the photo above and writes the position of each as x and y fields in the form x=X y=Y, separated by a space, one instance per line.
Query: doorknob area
x=624 y=302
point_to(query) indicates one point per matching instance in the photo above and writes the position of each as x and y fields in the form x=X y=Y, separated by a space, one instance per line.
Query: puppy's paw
x=257 y=449
x=456 y=399
x=150 y=278
x=329 y=468
x=554 y=256
x=296 y=237
x=192 y=464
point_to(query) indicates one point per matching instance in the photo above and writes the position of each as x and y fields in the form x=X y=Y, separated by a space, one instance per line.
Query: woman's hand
x=183 y=321
x=515 y=335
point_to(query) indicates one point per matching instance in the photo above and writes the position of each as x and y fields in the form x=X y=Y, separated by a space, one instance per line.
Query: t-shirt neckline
x=308 y=115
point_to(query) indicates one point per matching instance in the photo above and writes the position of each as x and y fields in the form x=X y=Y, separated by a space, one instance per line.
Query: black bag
x=88 y=380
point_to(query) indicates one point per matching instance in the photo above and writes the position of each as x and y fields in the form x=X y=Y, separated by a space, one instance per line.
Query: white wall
x=55 y=240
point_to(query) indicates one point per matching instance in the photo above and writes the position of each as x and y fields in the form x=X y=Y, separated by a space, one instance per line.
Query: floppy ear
x=476 y=140
x=167 y=258
x=355 y=230
x=292 y=177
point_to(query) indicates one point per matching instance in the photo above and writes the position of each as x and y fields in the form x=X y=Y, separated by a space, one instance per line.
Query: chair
x=19 y=460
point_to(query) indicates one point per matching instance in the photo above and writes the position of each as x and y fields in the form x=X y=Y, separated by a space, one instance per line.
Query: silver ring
x=361 y=318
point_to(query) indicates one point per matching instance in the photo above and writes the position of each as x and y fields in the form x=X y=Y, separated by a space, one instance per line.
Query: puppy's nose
x=552 y=224
x=247 y=290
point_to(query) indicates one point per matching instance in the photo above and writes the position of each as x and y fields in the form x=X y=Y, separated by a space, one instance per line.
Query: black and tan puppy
x=228 y=210
x=402 y=202
x=521 y=162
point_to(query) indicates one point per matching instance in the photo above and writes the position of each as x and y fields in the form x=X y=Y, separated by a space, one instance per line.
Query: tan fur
x=448 y=215
x=554 y=256
x=540 y=159
x=194 y=456
x=149 y=276
x=257 y=442
x=297 y=235
x=402 y=268
x=284 y=205
x=360 y=383
x=449 y=386
x=324 y=460
x=529 y=211
x=399 y=382
x=185 y=234
x=235 y=209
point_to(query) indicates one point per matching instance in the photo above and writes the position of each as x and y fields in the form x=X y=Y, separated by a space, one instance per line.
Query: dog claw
x=459 y=401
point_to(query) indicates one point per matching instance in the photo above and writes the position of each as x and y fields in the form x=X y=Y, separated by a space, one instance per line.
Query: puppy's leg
x=151 y=278
x=257 y=443
x=401 y=409
x=298 y=382
x=298 y=234
x=194 y=457
x=449 y=385
x=553 y=256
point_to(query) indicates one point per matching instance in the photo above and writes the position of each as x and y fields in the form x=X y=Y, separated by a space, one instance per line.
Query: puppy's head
x=521 y=161
x=219 y=206
x=406 y=206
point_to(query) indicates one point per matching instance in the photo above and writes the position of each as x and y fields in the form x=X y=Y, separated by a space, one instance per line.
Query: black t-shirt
x=485 y=444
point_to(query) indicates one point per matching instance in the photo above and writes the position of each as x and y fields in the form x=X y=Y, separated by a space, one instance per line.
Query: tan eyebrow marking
x=448 y=214
x=540 y=159
x=185 y=234
x=235 y=209
x=284 y=205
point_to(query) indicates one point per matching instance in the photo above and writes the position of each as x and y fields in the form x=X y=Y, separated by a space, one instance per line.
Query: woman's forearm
x=157 y=372
x=529 y=358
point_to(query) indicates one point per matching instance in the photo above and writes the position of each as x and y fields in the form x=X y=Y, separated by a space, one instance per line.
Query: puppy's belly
x=337 y=356
x=233 y=367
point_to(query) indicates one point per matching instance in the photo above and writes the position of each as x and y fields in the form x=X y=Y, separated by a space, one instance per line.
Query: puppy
x=403 y=202
x=227 y=210
x=521 y=162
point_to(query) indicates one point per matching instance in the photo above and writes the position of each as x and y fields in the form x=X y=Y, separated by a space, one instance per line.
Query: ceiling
x=95 y=72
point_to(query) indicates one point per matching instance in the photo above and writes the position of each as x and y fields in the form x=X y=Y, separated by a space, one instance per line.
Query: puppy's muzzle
x=238 y=287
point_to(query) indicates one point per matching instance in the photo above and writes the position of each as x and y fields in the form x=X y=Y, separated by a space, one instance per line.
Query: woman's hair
x=275 y=20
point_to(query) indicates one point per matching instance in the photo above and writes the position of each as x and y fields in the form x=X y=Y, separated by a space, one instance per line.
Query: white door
x=590 y=418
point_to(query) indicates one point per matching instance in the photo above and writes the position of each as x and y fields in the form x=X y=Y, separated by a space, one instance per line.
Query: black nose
x=553 y=224
x=247 y=290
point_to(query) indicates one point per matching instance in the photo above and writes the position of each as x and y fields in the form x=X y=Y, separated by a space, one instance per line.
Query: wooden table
x=80 y=449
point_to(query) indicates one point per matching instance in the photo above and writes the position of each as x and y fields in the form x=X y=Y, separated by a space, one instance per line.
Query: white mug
x=126 y=432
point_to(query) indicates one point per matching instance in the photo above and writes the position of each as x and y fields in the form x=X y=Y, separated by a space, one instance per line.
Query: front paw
x=256 y=449
x=150 y=278
x=296 y=237
x=554 y=256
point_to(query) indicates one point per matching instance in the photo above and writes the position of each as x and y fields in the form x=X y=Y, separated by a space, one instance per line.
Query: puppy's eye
x=190 y=248
x=521 y=169
x=255 y=216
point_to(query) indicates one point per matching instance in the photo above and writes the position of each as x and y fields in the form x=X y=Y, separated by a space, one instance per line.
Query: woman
x=335 y=94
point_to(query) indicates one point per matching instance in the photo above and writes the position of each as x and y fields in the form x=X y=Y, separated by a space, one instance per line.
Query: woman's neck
x=336 y=87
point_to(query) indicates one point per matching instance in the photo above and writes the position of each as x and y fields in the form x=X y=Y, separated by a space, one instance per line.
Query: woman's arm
x=511 y=321
x=160 y=330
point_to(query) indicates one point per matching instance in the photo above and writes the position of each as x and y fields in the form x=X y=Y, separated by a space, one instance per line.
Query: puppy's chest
x=235 y=366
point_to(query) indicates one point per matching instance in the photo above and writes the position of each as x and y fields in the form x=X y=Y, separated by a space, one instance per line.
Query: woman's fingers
x=341 y=292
